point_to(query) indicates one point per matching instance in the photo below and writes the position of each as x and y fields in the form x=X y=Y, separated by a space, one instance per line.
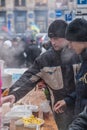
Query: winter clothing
x=80 y=123
x=32 y=51
x=55 y=29
x=80 y=95
x=49 y=67
x=77 y=30
x=58 y=74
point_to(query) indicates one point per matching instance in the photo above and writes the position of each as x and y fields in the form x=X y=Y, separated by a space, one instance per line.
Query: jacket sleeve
x=80 y=123
x=70 y=99
x=26 y=82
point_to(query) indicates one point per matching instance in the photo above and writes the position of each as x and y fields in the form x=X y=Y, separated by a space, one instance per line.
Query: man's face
x=78 y=47
x=58 y=43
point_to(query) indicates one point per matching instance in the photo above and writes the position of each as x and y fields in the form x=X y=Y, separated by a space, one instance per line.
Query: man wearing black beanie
x=78 y=42
x=55 y=70
x=76 y=34
x=77 y=31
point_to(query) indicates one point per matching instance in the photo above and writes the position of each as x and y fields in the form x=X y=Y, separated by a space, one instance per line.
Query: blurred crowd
x=21 y=51
x=62 y=70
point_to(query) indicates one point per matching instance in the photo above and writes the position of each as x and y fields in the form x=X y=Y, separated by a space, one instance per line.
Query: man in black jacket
x=55 y=68
x=80 y=123
x=76 y=34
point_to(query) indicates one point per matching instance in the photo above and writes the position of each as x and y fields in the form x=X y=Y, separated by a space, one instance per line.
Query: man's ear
x=67 y=41
x=51 y=39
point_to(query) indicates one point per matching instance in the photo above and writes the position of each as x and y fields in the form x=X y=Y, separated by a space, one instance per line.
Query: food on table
x=5 y=93
x=32 y=120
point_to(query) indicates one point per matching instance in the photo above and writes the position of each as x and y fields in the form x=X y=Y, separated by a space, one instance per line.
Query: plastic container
x=45 y=108
x=2 y=66
x=19 y=125
x=19 y=111
x=4 y=128
x=6 y=121
x=30 y=127
x=6 y=80
x=35 y=111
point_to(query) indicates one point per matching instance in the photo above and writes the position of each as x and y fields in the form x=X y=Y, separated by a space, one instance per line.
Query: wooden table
x=37 y=97
x=48 y=125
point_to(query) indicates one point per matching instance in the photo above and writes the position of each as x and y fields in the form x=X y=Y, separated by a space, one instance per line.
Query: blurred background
x=24 y=25
x=21 y=15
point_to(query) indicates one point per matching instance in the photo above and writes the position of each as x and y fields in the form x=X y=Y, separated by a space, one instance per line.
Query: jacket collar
x=83 y=55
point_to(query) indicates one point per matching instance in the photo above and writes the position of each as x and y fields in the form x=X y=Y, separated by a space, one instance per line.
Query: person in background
x=7 y=43
x=47 y=45
x=18 y=54
x=55 y=69
x=76 y=34
x=32 y=52
x=5 y=51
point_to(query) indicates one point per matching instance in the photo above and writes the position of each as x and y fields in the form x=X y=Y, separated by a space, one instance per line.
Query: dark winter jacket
x=80 y=123
x=49 y=66
x=80 y=95
x=32 y=51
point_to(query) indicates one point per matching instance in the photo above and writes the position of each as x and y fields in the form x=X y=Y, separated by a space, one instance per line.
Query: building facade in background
x=18 y=15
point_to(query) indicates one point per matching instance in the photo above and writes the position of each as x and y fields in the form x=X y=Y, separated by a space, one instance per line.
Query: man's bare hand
x=10 y=98
x=59 y=106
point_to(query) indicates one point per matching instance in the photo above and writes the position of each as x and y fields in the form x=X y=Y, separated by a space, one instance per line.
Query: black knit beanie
x=57 y=29
x=77 y=30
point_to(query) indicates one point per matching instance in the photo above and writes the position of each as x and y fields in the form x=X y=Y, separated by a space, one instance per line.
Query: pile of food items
x=29 y=123
x=32 y=120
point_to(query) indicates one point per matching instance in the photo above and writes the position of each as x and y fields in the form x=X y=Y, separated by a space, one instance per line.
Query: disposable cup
x=2 y=66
